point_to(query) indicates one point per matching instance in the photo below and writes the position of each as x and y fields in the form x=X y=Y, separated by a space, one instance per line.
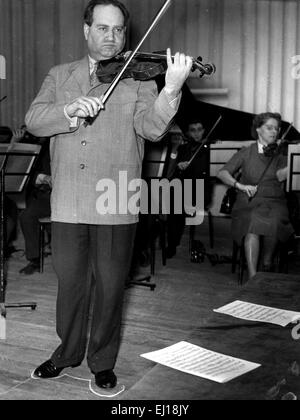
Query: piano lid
x=235 y=125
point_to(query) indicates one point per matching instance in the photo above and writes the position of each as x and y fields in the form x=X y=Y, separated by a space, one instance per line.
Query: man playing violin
x=190 y=164
x=88 y=243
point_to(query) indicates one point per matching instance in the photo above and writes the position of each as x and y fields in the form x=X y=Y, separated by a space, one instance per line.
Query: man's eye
x=102 y=28
x=119 y=30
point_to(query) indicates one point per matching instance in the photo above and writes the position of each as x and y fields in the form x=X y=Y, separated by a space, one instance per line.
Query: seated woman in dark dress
x=260 y=209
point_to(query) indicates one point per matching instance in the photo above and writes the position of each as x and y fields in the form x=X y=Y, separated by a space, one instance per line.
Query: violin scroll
x=205 y=69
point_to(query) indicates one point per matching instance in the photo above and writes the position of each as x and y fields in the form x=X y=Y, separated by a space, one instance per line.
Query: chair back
x=155 y=160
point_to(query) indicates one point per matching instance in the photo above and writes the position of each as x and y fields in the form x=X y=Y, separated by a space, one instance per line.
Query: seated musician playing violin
x=86 y=237
x=260 y=210
x=189 y=165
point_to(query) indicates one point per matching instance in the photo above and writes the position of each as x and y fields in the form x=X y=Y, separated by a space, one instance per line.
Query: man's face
x=106 y=36
x=195 y=132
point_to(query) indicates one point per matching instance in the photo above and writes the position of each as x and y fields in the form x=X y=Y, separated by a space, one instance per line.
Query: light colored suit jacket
x=82 y=156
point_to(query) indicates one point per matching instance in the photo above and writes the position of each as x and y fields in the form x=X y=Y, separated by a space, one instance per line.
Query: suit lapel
x=80 y=72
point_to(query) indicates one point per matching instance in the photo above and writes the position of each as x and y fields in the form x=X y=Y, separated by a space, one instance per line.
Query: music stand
x=293 y=180
x=154 y=167
x=14 y=175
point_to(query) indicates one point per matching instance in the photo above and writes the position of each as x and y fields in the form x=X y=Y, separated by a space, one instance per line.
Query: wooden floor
x=186 y=294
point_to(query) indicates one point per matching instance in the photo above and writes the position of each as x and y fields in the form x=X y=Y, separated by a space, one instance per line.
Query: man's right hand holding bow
x=84 y=106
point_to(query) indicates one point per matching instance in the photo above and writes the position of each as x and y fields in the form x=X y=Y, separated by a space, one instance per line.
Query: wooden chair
x=154 y=167
x=159 y=232
x=211 y=231
x=239 y=260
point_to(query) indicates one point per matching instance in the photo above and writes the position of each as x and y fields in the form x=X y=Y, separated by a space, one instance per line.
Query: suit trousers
x=82 y=253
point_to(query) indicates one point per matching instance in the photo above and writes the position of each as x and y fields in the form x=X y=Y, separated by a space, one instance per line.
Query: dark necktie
x=93 y=76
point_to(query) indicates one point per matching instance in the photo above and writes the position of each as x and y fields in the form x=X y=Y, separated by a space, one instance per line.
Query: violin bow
x=206 y=140
x=118 y=77
x=286 y=132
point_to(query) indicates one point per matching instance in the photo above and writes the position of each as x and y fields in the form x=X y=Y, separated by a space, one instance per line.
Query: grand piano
x=234 y=126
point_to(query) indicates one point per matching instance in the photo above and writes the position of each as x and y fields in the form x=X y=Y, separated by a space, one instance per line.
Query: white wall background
x=251 y=42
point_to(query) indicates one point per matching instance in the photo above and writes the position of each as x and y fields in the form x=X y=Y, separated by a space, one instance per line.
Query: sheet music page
x=259 y=313
x=198 y=361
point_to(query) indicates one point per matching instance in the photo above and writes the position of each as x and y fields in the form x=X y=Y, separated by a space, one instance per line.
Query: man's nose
x=110 y=35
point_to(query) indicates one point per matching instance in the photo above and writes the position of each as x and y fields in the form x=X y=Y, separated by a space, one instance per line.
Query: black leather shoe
x=106 y=379
x=47 y=370
x=30 y=268
x=170 y=252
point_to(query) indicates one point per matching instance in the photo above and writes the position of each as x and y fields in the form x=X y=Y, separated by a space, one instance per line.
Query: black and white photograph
x=150 y=203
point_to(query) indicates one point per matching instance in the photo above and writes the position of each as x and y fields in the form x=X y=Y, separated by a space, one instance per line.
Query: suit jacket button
x=82 y=166
x=83 y=143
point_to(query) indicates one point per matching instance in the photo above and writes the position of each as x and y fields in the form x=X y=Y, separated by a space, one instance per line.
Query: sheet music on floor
x=198 y=361
x=259 y=313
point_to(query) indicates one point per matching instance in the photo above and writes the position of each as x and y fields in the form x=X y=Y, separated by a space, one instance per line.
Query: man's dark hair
x=194 y=120
x=89 y=11
x=261 y=119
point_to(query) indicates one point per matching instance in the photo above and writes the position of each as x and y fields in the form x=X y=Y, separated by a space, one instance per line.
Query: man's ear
x=86 y=30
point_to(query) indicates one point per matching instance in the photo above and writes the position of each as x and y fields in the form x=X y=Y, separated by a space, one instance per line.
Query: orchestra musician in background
x=37 y=206
x=22 y=135
x=83 y=240
x=260 y=210
x=188 y=164
x=37 y=199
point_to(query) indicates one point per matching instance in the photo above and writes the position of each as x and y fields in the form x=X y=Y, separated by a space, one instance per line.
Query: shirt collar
x=260 y=147
x=92 y=63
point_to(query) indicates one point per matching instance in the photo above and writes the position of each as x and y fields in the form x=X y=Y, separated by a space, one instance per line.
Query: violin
x=274 y=149
x=271 y=150
x=144 y=66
